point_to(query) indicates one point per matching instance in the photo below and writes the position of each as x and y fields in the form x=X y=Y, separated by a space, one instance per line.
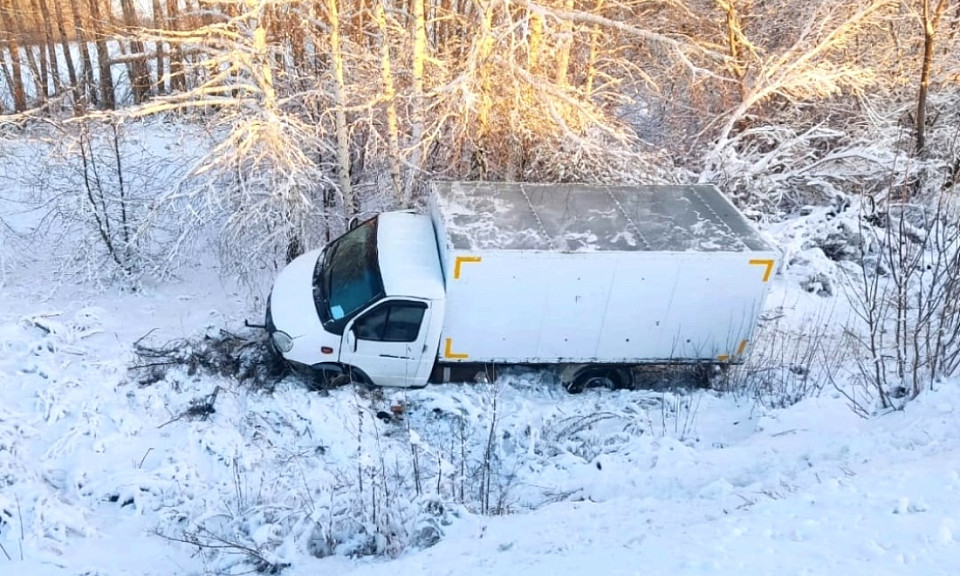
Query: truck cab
x=371 y=302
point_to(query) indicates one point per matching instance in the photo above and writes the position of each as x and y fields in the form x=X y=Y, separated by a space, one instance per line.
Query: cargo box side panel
x=638 y=302
x=577 y=296
x=708 y=315
x=494 y=311
x=525 y=306
x=538 y=307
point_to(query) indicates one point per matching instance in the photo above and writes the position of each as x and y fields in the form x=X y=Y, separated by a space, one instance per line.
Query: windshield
x=347 y=276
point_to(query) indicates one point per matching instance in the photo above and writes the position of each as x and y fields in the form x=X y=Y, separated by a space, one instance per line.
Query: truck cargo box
x=572 y=273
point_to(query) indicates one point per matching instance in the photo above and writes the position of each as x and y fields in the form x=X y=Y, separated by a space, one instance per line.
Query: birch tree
x=390 y=95
x=340 y=102
x=417 y=119
x=808 y=68
x=261 y=182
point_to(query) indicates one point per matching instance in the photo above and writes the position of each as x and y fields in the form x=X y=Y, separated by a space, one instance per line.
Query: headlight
x=282 y=341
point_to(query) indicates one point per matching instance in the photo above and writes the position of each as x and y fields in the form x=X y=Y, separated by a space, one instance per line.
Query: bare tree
x=261 y=182
x=340 y=103
x=42 y=9
x=417 y=118
x=390 y=95
x=159 y=53
x=38 y=73
x=13 y=53
x=78 y=101
x=930 y=20
x=178 y=81
x=137 y=62
x=99 y=20
x=807 y=68
x=89 y=87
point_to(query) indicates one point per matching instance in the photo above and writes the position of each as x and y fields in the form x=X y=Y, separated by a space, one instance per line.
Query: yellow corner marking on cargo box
x=460 y=260
x=742 y=347
x=449 y=353
x=768 y=264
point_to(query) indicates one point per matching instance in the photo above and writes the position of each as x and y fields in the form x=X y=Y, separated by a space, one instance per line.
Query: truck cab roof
x=408 y=257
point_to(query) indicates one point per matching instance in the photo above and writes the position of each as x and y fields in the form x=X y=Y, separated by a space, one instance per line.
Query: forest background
x=312 y=112
x=323 y=104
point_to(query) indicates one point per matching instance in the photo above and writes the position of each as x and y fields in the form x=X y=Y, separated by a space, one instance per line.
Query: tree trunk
x=592 y=58
x=89 y=88
x=930 y=22
x=67 y=58
x=563 y=57
x=459 y=29
x=4 y=69
x=445 y=25
x=390 y=95
x=478 y=161
x=44 y=49
x=340 y=114
x=298 y=48
x=735 y=44
x=51 y=45
x=158 y=23
x=263 y=72
x=137 y=64
x=358 y=22
x=13 y=47
x=108 y=98
x=534 y=41
x=178 y=81
x=37 y=72
x=417 y=113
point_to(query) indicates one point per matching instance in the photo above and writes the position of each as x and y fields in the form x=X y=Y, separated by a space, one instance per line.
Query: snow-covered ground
x=110 y=471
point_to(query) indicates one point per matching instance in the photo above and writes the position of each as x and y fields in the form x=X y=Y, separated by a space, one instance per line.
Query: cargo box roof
x=583 y=218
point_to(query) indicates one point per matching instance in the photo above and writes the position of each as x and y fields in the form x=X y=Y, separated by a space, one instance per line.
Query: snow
x=104 y=471
x=577 y=218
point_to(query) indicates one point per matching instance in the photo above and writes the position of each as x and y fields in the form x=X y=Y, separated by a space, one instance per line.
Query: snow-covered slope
x=104 y=475
x=169 y=470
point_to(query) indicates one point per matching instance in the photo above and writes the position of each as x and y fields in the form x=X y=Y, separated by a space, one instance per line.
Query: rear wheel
x=607 y=377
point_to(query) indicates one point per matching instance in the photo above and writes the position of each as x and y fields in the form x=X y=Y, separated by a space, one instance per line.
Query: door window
x=391 y=322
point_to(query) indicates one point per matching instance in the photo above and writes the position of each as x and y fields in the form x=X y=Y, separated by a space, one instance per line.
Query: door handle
x=394 y=356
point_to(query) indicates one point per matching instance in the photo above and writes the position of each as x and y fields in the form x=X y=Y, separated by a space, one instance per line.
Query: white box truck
x=597 y=279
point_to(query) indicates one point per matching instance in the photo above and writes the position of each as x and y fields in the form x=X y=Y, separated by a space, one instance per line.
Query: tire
x=322 y=378
x=597 y=377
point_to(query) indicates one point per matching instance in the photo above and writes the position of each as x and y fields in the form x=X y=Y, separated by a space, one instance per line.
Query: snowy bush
x=818 y=244
x=94 y=187
x=357 y=472
x=790 y=361
x=904 y=292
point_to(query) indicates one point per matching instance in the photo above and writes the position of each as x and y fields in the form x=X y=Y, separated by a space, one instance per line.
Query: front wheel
x=326 y=376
